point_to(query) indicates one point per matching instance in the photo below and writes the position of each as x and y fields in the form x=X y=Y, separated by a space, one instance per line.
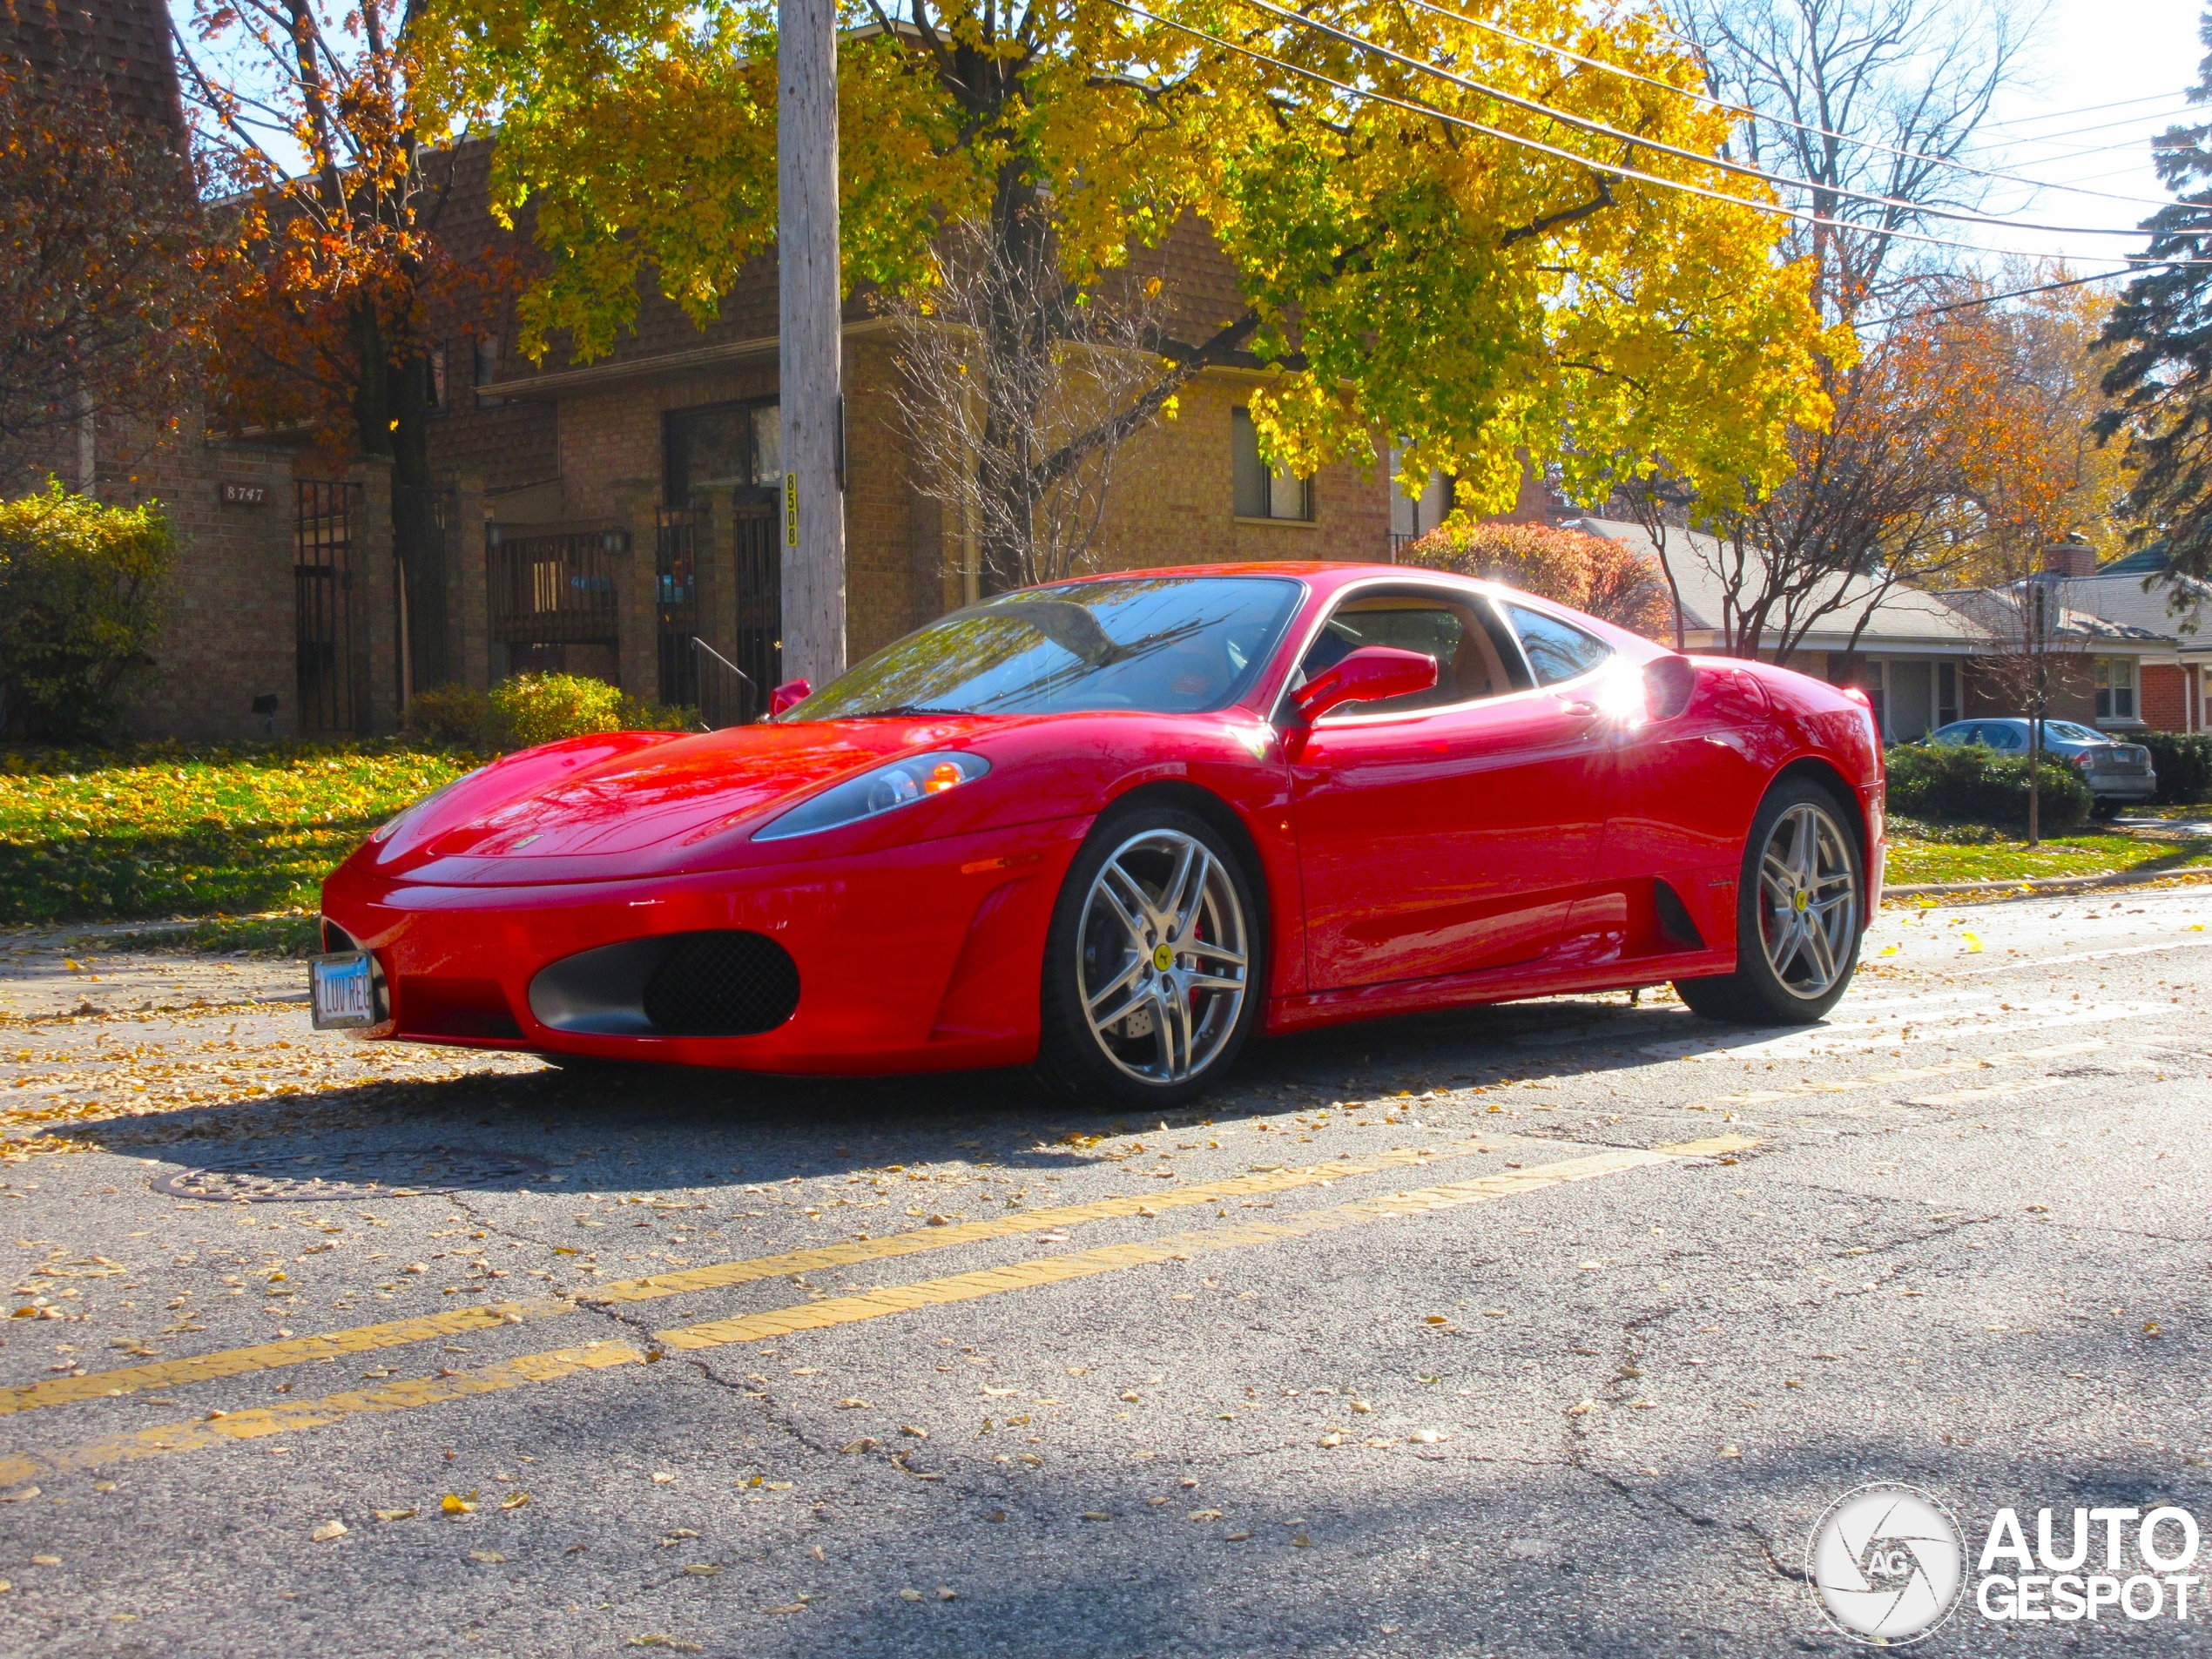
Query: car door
x=1453 y=830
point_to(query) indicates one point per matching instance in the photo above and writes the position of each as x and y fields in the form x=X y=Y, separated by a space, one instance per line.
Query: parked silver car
x=2117 y=773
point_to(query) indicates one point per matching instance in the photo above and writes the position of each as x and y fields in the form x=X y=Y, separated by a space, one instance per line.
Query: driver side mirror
x=789 y=695
x=1371 y=674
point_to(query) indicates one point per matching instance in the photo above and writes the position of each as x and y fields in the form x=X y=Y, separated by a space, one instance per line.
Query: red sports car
x=1110 y=826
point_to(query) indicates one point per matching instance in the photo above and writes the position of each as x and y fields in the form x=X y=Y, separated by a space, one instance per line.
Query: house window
x=1946 y=694
x=2115 y=688
x=1414 y=516
x=484 y=348
x=1262 y=494
x=1876 y=687
x=728 y=446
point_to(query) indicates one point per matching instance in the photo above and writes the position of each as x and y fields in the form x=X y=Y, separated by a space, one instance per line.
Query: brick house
x=229 y=637
x=599 y=517
x=2173 y=679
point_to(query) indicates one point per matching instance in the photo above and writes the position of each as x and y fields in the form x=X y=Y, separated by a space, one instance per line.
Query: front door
x=1453 y=832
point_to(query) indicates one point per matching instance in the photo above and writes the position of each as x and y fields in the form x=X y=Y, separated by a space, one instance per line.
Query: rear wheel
x=1151 y=972
x=1800 y=905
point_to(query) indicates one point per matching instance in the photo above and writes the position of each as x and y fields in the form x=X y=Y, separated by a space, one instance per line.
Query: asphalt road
x=1549 y=1328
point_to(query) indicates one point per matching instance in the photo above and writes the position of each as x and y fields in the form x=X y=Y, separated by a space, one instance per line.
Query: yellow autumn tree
x=1520 y=255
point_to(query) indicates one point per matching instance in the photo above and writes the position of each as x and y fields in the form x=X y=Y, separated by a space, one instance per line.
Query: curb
x=2030 y=885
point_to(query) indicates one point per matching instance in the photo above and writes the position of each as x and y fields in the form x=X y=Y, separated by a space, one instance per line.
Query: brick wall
x=2072 y=695
x=228 y=635
x=2163 y=691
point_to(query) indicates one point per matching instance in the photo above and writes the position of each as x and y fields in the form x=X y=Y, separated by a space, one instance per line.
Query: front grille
x=722 y=985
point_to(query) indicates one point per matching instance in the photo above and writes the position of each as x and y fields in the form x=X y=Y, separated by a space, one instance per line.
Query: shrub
x=453 y=716
x=1972 y=785
x=2184 y=766
x=81 y=591
x=1592 y=573
x=642 y=714
x=544 y=708
x=531 y=708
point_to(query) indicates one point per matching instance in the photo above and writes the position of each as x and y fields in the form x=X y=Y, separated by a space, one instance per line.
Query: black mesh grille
x=723 y=985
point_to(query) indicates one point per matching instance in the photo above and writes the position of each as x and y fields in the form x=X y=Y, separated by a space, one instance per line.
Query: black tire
x=1131 y=1064
x=1817 y=962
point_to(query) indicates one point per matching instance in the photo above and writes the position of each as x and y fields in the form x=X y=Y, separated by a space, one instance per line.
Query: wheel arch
x=1203 y=802
x=1823 y=775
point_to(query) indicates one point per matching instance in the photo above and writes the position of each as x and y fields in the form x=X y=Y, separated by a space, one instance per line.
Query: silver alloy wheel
x=1808 y=900
x=1162 y=958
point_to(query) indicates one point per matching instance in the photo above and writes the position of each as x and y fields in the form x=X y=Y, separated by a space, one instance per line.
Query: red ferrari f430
x=1110 y=827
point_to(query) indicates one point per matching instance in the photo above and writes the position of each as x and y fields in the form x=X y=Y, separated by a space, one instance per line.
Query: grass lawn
x=212 y=833
x=1914 y=859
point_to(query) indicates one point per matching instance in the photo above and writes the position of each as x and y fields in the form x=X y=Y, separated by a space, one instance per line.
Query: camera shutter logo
x=1887 y=1564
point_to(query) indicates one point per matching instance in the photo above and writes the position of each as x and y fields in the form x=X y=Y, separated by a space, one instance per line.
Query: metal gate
x=553 y=604
x=328 y=649
x=760 y=598
x=676 y=597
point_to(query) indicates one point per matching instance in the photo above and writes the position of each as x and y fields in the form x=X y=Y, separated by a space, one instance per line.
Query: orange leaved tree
x=336 y=267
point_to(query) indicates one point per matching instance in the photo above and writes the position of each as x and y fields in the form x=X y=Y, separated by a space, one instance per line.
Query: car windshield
x=1161 y=645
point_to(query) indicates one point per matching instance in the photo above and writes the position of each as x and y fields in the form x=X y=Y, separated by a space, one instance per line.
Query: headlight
x=384 y=831
x=884 y=790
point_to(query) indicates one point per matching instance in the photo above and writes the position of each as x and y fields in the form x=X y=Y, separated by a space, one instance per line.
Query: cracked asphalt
x=1549 y=1328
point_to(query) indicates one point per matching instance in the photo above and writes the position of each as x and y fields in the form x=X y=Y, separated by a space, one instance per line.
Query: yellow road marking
x=960 y=1287
x=300 y=1351
x=1995 y=1091
x=1052 y=1270
x=319 y=1414
x=270 y=1356
x=1902 y=1074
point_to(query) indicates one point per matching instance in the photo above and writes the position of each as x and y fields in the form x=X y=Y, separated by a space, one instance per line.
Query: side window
x=2001 y=736
x=1557 y=651
x=1262 y=494
x=1469 y=661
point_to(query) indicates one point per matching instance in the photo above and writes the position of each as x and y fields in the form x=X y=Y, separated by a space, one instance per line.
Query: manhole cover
x=307 y=1177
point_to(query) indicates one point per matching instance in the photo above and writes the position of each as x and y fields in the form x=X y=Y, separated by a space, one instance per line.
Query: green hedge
x=531 y=708
x=1972 y=785
x=81 y=587
x=2184 y=766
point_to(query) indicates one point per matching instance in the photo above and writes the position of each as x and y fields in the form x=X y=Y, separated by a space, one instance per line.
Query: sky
x=2104 y=78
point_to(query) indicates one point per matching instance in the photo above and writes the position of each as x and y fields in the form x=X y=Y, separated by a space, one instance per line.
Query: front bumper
x=917 y=959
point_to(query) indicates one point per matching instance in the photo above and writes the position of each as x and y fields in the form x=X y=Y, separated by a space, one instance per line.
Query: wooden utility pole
x=809 y=336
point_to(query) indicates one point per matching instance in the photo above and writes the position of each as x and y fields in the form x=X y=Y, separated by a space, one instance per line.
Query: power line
x=2014 y=293
x=1779 y=120
x=1601 y=129
x=2101 y=126
x=2087 y=109
x=1616 y=170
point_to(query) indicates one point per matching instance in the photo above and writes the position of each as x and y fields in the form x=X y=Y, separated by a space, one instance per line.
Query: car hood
x=646 y=807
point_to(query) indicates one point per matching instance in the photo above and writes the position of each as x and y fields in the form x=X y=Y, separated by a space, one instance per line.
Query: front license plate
x=345 y=992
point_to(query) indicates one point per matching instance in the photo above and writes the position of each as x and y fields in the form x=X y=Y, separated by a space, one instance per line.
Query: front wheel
x=1152 y=966
x=1800 y=907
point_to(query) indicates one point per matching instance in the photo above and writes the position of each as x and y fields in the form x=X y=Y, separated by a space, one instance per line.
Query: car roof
x=1327 y=578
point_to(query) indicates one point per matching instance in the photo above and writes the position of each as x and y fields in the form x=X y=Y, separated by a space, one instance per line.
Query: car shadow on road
x=670 y=1127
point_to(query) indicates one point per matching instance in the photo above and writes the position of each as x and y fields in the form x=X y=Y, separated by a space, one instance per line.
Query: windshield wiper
x=900 y=710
